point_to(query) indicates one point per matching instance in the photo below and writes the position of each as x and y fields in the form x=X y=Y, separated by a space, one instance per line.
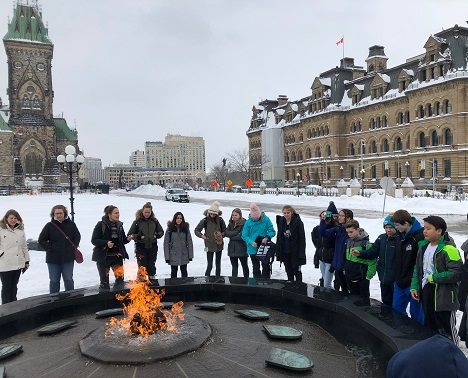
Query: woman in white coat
x=14 y=255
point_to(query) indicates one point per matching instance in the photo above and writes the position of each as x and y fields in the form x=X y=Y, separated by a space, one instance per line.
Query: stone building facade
x=374 y=121
x=30 y=136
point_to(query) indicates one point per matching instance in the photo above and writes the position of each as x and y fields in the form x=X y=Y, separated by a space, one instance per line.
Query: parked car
x=177 y=195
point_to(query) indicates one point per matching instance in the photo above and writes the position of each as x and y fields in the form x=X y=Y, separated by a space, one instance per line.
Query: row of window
x=311 y=133
x=299 y=156
x=430 y=110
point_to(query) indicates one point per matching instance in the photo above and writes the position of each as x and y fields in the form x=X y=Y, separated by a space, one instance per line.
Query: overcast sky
x=128 y=71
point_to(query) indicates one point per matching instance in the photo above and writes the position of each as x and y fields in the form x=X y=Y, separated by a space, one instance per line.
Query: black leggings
x=183 y=270
x=209 y=260
x=147 y=258
x=293 y=272
x=257 y=273
x=235 y=265
x=9 y=285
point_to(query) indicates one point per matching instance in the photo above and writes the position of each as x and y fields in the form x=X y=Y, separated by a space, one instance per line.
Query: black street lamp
x=363 y=172
x=407 y=165
x=70 y=164
x=298 y=176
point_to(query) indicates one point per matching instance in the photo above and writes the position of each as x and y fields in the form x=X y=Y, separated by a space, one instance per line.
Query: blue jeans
x=401 y=298
x=66 y=271
x=326 y=275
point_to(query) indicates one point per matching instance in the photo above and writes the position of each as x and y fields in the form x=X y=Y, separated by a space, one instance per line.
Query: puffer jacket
x=405 y=256
x=13 y=248
x=210 y=226
x=384 y=249
x=178 y=245
x=255 y=228
x=339 y=235
x=324 y=246
x=102 y=233
x=448 y=268
x=355 y=267
x=296 y=242
x=236 y=246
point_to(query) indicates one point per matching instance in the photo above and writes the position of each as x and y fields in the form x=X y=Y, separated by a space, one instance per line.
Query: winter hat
x=214 y=208
x=332 y=208
x=255 y=212
x=238 y=211
x=388 y=222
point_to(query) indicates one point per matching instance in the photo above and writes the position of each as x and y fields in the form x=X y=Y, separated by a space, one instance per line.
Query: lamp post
x=70 y=164
x=407 y=165
x=341 y=171
x=363 y=172
x=298 y=176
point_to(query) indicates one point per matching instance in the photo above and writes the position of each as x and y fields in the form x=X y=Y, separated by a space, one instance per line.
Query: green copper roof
x=62 y=131
x=27 y=26
x=4 y=124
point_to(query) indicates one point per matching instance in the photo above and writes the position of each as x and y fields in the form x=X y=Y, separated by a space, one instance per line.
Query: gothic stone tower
x=37 y=136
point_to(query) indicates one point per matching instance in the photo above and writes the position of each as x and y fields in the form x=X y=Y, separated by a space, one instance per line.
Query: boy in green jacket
x=436 y=275
x=358 y=272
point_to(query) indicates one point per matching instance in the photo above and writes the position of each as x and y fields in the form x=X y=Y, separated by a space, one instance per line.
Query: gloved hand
x=316 y=266
x=168 y=261
x=331 y=270
x=26 y=267
x=430 y=278
x=189 y=259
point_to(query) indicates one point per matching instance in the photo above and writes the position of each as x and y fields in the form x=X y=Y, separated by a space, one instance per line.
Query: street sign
x=387 y=183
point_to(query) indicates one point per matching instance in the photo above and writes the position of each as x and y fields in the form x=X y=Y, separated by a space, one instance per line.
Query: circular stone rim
x=96 y=346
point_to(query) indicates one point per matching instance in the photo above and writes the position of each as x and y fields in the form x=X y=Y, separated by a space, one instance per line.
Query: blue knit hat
x=388 y=222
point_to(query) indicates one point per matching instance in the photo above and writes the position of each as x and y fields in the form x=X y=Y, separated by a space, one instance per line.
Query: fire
x=144 y=313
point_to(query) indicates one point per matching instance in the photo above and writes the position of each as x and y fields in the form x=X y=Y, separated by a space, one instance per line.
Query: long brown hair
x=7 y=214
x=183 y=226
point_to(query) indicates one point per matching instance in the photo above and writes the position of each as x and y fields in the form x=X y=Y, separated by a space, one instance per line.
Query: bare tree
x=239 y=162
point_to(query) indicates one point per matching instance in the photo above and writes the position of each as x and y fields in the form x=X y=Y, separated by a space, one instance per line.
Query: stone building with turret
x=30 y=136
x=373 y=121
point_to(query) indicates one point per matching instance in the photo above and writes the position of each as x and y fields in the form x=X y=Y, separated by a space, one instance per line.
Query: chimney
x=377 y=60
x=347 y=62
x=282 y=99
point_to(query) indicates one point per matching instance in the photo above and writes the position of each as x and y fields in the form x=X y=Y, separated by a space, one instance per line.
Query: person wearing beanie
x=339 y=236
x=383 y=249
x=324 y=248
x=145 y=231
x=257 y=230
x=211 y=229
x=237 y=248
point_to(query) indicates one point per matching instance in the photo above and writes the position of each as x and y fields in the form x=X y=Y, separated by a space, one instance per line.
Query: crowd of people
x=418 y=265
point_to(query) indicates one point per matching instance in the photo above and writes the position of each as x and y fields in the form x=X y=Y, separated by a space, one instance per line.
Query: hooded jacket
x=146 y=231
x=355 y=267
x=58 y=248
x=339 y=235
x=405 y=256
x=324 y=246
x=236 y=246
x=434 y=357
x=13 y=248
x=296 y=242
x=211 y=225
x=102 y=233
x=255 y=228
x=448 y=268
x=178 y=245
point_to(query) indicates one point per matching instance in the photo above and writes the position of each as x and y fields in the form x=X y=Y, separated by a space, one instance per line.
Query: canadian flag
x=340 y=41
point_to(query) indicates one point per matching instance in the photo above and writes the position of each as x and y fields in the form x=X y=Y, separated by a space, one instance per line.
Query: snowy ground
x=35 y=211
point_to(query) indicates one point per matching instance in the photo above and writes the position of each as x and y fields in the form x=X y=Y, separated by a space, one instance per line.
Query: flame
x=144 y=313
x=118 y=271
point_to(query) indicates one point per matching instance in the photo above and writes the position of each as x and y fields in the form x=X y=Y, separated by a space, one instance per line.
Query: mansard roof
x=27 y=26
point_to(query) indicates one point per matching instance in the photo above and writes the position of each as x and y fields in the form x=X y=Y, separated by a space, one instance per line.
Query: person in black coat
x=291 y=243
x=60 y=251
x=109 y=246
x=324 y=249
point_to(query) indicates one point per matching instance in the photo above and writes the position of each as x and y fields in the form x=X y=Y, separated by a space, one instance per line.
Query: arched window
x=25 y=103
x=437 y=108
x=379 y=124
x=448 y=137
x=373 y=147
x=33 y=164
x=407 y=118
x=400 y=119
x=421 y=111
x=322 y=131
x=351 y=149
x=313 y=133
x=301 y=137
x=328 y=150
x=384 y=121
x=300 y=156
x=327 y=130
x=286 y=157
x=429 y=110
x=385 y=145
x=318 y=153
x=353 y=127
x=309 y=133
x=293 y=156
x=308 y=153
x=421 y=139
x=447 y=107
x=398 y=144
x=359 y=126
x=434 y=138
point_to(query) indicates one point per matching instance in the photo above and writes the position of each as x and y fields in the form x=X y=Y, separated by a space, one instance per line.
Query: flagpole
x=343 y=45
